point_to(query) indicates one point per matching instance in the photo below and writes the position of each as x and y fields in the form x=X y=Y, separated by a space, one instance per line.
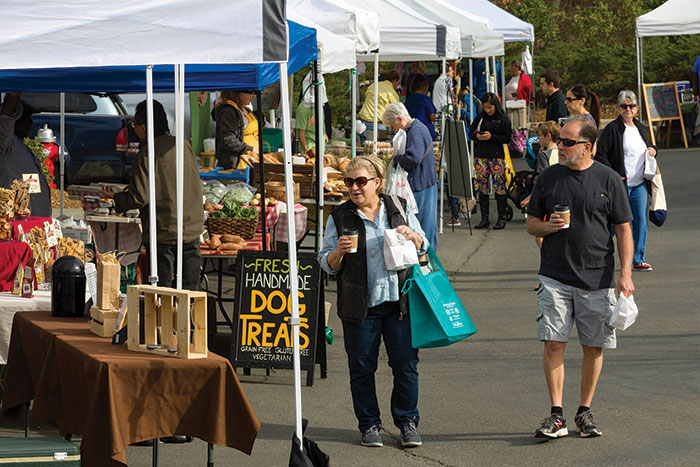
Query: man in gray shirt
x=577 y=266
x=16 y=159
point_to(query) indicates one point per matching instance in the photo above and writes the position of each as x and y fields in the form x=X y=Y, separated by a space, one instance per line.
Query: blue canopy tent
x=302 y=50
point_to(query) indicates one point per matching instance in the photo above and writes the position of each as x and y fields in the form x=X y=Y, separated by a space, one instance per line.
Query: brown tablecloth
x=82 y=384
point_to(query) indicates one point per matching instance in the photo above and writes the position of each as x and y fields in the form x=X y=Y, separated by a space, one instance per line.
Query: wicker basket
x=243 y=227
x=278 y=191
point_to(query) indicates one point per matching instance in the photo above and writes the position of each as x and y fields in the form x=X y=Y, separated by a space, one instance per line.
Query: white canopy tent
x=512 y=28
x=673 y=18
x=406 y=35
x=477 y=39
x=360 y=26
x=93 y=33
x=336 y=52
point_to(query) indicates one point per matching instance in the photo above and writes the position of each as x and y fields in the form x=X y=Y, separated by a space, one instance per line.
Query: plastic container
x=68 y=287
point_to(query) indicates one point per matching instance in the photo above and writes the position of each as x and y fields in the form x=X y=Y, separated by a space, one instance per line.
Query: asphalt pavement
x=482 y=398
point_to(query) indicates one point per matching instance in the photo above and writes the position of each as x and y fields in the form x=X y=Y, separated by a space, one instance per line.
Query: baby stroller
x=518 y=185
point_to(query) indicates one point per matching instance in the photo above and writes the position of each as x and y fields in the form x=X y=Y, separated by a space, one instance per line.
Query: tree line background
x=587 y=42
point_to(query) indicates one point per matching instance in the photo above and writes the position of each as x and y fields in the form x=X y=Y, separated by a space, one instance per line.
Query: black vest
x=353 y=292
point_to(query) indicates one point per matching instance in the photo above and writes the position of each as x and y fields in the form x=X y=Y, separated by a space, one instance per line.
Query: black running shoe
x=586 y=425
x=553 y=426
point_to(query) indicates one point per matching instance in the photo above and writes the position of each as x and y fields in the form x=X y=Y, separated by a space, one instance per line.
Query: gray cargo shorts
x=560 y=305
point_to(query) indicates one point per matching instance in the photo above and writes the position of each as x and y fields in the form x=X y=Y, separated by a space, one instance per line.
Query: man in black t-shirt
x=577 y=266
x=549 y=85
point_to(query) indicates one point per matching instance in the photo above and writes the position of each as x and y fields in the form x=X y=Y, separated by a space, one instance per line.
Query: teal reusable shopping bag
x=438 y=317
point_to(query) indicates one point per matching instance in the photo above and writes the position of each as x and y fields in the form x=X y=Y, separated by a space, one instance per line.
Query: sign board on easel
x=661 y=104
x=262 y=333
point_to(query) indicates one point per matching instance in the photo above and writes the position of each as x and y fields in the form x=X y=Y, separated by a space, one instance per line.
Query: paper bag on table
x=108 y=279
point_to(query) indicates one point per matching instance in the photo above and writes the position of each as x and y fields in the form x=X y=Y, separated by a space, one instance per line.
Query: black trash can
x=68 y=287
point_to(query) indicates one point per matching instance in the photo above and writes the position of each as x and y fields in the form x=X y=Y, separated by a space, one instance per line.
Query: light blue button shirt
x=383 y=285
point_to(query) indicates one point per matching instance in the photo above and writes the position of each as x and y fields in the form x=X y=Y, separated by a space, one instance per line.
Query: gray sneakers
x=409 y=435
x=371 y=437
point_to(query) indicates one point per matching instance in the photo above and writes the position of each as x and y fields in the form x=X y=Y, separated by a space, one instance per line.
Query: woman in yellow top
x=236 y=129
x=386 y=94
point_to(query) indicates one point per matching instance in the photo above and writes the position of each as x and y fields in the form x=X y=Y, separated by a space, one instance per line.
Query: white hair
x=626 y=95
x=394 y=110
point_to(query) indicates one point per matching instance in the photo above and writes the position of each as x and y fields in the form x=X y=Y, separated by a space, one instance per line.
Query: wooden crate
x=167 y=310
x=304 y=175
x=103 y=322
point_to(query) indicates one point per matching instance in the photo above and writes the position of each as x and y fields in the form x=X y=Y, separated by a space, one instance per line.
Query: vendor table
x=254 y=244
x=28 y=224
x=12 y=254
x=120 y=233
x=11 y=304
x=113 y=397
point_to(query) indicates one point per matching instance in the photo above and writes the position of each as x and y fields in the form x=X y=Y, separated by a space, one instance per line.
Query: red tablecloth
x=28 y=225
x=12 y=254
x=270 y=218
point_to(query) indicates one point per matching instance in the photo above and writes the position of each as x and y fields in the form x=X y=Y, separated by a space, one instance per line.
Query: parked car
x=98 y=133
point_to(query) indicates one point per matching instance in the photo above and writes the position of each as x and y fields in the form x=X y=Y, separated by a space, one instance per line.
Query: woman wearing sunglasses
x=490 y=130
x=577 y=97
x=370 y=304
x=622 y=145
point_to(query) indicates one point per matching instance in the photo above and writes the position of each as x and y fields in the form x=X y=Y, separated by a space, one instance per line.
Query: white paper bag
x=399 y=252
x=625 y=313
x=649 y=166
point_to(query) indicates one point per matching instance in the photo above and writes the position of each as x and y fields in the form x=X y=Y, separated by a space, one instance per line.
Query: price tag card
x=33 y=179
x=50 y=234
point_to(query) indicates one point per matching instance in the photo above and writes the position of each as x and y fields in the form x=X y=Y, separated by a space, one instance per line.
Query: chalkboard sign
x=661 y=103
x=263 y=335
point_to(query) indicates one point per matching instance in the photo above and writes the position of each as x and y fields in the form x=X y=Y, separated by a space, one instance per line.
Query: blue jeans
x=639 y=202
x=426 y=200
x=362 y=347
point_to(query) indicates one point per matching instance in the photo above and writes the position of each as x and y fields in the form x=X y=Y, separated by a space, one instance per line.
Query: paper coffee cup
x=565 y=213
x=353 y=236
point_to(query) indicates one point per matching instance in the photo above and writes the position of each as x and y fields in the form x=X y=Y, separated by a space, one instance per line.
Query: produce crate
x=128 y=277
x=304 y=175
x=226 y=176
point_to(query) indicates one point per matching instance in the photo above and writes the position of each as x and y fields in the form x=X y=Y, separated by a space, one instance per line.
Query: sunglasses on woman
x=570 y=142
x=361 y=181
x=571 y=99
x=628 y=106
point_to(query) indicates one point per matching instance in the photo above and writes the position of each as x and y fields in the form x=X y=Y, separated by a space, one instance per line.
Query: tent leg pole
x=320 y=140
x=261 y=150
x=62 y=162
x=353 y=111
x=292 y=252
x=180 y=163
x=503 y=79
x=445 y=106
x=376 y=102
x=153 y=276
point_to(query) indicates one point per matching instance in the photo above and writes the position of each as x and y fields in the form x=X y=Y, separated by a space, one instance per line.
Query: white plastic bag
x=399 y=252
x=396 y=178
x=625 y=313
x=649 y=166
x=399 y=143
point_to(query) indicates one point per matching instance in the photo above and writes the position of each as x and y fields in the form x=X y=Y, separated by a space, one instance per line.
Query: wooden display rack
x=177 y=309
